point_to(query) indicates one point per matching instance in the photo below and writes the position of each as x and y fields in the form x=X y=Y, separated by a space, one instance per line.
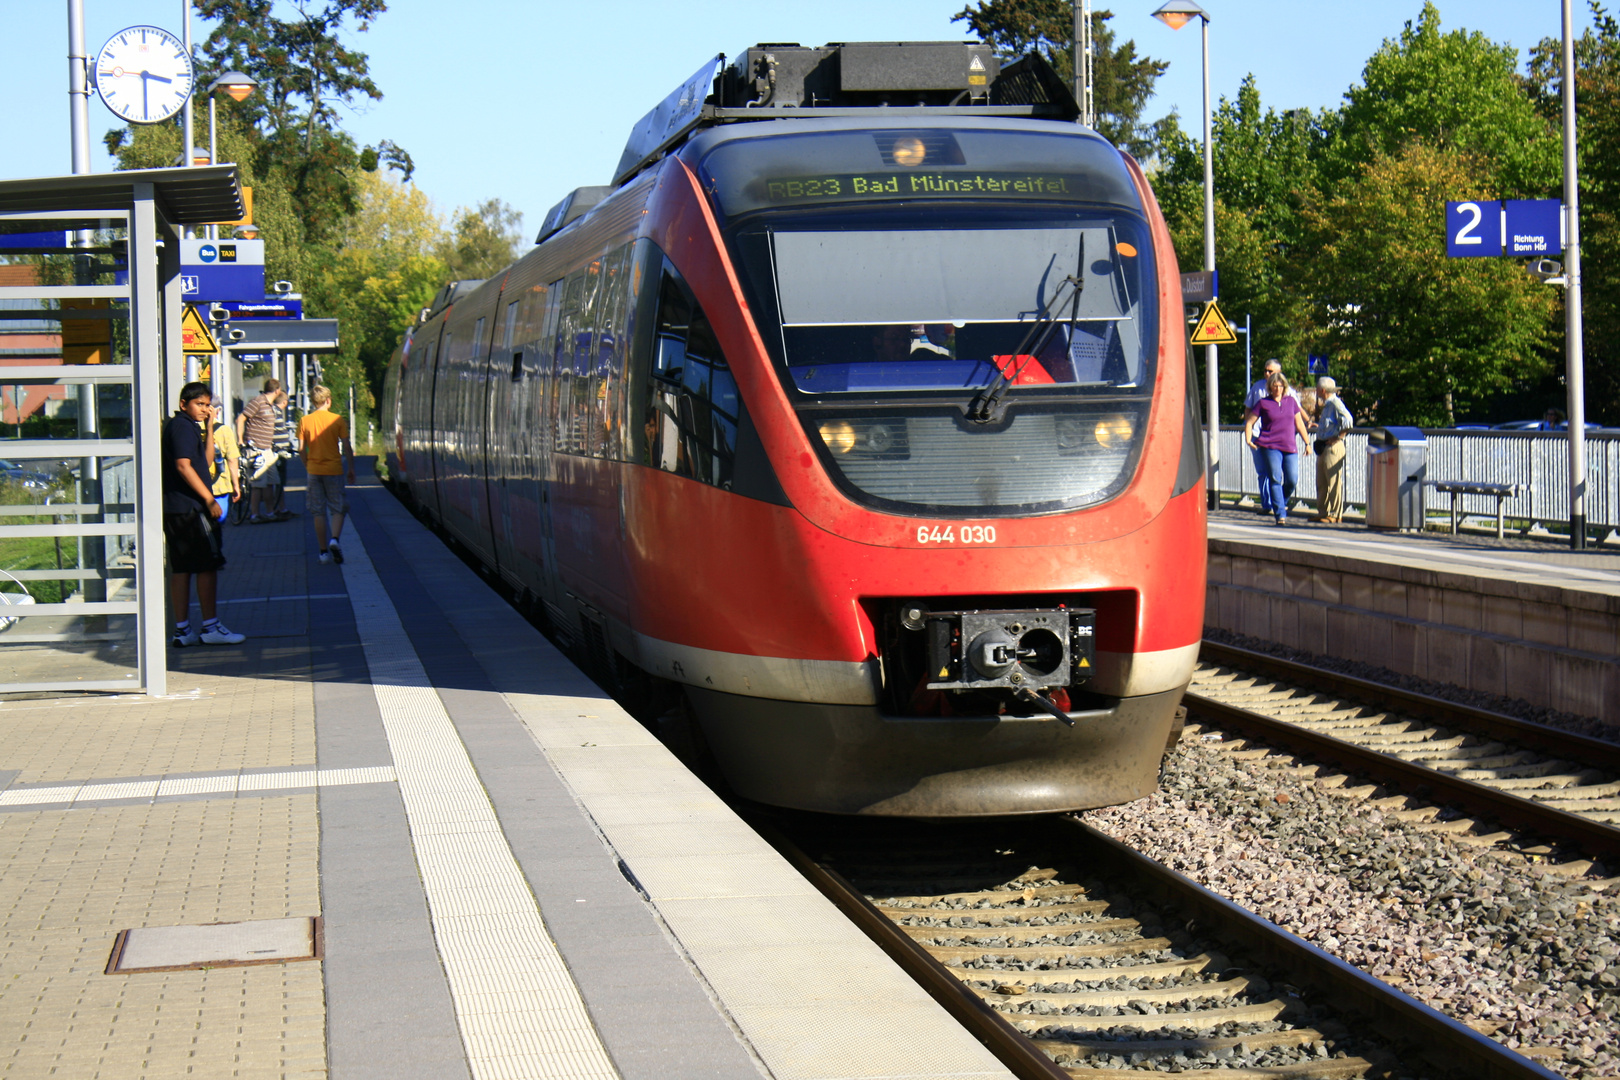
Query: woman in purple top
x=1281 y=421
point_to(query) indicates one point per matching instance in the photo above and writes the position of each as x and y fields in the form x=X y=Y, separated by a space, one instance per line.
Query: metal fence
x=1537 y=461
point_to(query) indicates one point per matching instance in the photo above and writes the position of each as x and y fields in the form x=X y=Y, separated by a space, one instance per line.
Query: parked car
x=1541 y=425
x=28 y=478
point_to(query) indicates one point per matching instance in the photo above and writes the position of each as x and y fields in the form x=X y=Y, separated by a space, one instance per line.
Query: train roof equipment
x=575 y=204
x=903 y=79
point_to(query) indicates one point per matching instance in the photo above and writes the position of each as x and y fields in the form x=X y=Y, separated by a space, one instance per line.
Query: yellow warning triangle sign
x=1212 y=328
x=194 y=333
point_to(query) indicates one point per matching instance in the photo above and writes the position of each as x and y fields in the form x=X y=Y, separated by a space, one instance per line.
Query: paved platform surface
x=1541 y=562
x=514 y=878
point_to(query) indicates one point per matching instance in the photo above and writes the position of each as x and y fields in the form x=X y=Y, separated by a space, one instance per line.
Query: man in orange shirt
x=328 y=458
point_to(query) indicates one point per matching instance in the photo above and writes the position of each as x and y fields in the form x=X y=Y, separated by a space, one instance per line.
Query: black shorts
x=194 y=542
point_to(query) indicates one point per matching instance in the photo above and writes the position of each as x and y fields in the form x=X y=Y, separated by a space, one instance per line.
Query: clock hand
x=159 y=78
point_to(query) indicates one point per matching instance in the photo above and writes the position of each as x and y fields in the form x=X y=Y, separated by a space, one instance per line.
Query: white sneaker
x=221 y=635
x=335 y=551
x=324 y=559
x=189 y=638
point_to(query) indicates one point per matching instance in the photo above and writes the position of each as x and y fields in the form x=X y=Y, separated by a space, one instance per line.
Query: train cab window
x=691 y=421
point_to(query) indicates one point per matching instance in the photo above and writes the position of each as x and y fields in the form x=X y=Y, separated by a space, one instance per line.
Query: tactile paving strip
x=519 y=1010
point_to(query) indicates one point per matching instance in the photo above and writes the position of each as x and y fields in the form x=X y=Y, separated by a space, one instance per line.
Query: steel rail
x=1011 y=1046
x=1450 y=1044
x=1594 y=837
x=1526 y=733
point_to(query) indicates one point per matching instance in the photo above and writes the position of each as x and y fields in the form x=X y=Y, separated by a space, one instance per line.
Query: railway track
x=1069 y=955
x=1529 y=777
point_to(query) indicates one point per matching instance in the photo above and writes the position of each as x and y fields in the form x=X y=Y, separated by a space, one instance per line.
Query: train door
x=507 y=439
x=525 y=432
x=432 y=443
x=555 y=363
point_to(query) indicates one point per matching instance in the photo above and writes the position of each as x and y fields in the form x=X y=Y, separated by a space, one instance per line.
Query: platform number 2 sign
x=1473 y=229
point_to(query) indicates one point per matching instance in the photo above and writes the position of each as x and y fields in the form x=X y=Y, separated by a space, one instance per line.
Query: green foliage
x=1265 y=173
x=1123 y=80
x=484 y=240
x=1458 y=91
x=1597 y=111
x=1429 y=338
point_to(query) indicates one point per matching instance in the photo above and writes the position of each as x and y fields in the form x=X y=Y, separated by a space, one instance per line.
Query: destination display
x=920 y=185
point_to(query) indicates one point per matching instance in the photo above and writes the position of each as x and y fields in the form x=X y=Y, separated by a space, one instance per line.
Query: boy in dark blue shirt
x=191 y=519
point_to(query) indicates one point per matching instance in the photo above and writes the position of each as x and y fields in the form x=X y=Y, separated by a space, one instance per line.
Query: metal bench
x=1458 y=488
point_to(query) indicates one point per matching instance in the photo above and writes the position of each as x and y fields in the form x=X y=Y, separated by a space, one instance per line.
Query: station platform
x=512 y=878
x=1516 y=618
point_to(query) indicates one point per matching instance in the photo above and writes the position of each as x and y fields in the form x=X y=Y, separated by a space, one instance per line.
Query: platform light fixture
x=1175 y=14
x=238 y=87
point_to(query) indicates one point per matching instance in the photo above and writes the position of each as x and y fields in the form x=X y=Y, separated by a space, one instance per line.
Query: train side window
x=567 y=331
x=507 y=334
x=694 y=397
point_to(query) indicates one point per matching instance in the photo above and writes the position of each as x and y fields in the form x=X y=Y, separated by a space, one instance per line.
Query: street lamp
x=1175 y=14
x=238 y=87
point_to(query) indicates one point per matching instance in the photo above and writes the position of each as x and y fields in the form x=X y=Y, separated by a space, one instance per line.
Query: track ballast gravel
x=1485 y=935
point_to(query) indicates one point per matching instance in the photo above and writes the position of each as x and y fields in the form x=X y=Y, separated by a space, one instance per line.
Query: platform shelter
x=112 y=259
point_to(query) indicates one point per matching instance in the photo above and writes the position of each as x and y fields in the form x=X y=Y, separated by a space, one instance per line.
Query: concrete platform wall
x=1551 y=646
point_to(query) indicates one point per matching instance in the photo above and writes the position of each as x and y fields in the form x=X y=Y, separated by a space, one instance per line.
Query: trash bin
x=1397 y=469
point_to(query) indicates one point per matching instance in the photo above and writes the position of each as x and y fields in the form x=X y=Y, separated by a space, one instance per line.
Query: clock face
x=144 y=74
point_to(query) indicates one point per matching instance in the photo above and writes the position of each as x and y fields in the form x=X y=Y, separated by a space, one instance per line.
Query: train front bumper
x=853 y=759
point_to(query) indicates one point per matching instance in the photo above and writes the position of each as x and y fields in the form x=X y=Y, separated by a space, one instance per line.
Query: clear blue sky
x=526 y=99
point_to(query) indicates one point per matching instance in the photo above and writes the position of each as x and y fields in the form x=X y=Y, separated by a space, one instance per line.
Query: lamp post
x=238 y=87
x=1574 y=357
x=1175 y=14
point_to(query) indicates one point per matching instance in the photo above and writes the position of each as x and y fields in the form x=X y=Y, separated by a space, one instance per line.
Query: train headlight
x=1071 y=433
x=1113 y=432
x=879 y=439
x=909 y=150
x=839 y=436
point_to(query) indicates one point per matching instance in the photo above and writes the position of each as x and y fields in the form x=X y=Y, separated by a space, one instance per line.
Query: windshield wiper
x=986 y=406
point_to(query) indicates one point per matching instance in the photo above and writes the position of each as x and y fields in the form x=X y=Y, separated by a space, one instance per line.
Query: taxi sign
x=1212 y=328
x=194 y=334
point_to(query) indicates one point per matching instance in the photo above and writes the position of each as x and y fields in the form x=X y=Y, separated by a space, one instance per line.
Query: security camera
x=1545 y=270
x=238 y=334
x=218 y=314
x=282 y=287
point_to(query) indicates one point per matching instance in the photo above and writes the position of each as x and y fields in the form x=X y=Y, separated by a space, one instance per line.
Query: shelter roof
x=194 y=196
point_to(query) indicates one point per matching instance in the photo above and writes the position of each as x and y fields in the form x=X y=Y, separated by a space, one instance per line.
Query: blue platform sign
x=1473 y=229
x=1534 y=227
x=213 y=270
x=264 y=309
x=1316 y=365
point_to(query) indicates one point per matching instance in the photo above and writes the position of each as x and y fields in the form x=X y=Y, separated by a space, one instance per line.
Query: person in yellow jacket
x=323 y=436
x=227 y=471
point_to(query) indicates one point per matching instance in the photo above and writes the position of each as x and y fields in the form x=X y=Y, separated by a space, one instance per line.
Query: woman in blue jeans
x=1282 y=430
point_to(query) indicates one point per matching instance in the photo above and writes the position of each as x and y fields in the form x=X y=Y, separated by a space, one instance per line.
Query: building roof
x=194 y=196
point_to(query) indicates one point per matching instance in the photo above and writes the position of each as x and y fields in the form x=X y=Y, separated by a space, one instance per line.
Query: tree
x=484 y=240
x=381 y=272
x=1597 y=111
x=1458 y=91
x=1123 y=80
x=305 y=72
x=1265 y=174
x=1430 y=338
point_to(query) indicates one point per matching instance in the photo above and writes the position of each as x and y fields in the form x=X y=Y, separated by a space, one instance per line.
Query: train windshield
x=899 y=275
x=903 y=310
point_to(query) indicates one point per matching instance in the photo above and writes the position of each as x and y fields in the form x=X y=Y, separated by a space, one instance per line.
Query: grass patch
x=35 y=552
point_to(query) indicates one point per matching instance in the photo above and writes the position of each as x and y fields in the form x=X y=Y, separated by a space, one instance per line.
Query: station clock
x=144 y=74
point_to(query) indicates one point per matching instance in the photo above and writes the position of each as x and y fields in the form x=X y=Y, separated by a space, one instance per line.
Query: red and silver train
x=857 y=408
